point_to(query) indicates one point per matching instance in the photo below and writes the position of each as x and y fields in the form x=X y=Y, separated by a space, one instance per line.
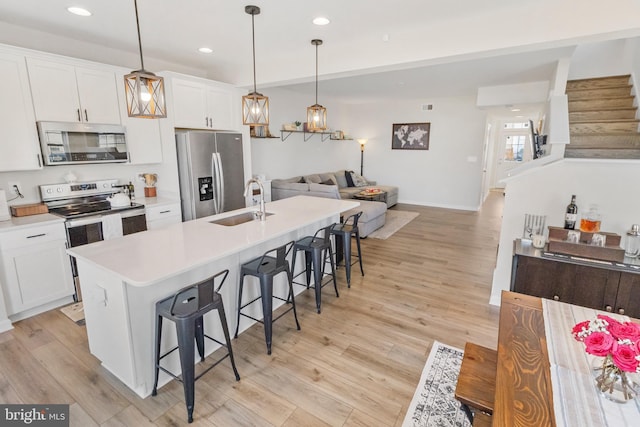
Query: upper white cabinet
x=66 y=93
x=19 y=148
x=200 y=105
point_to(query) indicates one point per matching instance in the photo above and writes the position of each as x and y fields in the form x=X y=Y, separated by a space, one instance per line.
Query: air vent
x=427 y=107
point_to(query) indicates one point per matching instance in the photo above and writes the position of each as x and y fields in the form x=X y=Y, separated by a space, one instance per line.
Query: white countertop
x=142 y=259
x=18 y=222
x=156 y=201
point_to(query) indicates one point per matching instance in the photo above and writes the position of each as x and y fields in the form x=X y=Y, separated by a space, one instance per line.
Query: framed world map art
x=410 y=136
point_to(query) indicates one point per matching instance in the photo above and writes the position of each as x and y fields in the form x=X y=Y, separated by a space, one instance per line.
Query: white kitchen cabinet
x=67 y=93
x=19 y=147
x=159 y=216
x=34 y=266
x=201 y=105
x=144 y=140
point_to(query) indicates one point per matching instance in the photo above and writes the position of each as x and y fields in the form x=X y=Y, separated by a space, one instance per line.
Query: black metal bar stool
x=265 y=268
x=317 y=250
x=344 y=231
x=186 y=309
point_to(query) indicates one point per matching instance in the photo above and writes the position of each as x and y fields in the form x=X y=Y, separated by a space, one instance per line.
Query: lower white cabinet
x=163 y=215
x=34 y=267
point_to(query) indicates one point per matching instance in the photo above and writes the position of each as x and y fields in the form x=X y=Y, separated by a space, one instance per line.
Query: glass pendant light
x=316 y=114
x=255 y=106
x=144 y=90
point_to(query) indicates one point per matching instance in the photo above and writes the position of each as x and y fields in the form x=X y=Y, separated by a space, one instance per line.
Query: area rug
x=434 y=404
x=395 y=220
x=75 y=312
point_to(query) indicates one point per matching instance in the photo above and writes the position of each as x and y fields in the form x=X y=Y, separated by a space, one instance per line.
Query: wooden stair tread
x=608 y=121
x=608 y=153
x=599 y=82
x=477 y=379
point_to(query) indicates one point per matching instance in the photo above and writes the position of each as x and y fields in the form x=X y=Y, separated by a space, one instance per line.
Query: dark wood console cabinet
x=603 y=286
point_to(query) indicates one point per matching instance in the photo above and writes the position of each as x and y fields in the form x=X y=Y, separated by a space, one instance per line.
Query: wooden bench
x=477 y=382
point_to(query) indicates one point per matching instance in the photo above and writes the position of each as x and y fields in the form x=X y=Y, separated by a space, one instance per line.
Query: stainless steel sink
x=237 y=219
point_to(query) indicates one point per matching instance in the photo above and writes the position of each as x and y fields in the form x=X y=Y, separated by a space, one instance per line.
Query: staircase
x=602 y=119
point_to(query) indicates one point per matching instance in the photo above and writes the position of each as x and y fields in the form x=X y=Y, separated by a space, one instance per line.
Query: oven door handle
x=70 y=223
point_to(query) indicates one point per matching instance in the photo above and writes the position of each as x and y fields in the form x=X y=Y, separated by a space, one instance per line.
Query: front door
x=513 y=148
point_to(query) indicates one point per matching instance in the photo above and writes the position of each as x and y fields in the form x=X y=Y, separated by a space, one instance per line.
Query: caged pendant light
x=144 y=90
x=255 y=106
x=316 y=114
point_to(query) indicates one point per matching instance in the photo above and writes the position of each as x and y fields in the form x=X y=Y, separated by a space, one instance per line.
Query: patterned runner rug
x=433 y=404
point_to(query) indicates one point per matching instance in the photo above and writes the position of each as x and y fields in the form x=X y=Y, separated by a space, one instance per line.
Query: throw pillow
x=358 y=181
x=328 y=182
x=315 y=178
x=348 y=177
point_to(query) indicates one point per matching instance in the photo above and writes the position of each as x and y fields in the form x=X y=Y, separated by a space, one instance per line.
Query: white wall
x=610 y=58
x=547 y=191
x=449 y=173
x=295 y=156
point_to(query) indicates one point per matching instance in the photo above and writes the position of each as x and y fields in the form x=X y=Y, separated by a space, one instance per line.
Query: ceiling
x=371 y=49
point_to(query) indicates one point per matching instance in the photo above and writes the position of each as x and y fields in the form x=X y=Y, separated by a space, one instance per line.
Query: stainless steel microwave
x=75 y=143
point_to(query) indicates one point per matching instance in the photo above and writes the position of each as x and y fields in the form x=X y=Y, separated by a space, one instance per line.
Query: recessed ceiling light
x=321 y=20
x=515 y=109
x=205 y=50
x=79 y=11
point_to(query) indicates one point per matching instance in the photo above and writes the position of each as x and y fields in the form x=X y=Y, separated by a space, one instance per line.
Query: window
x=514 y=148
x=516 y=125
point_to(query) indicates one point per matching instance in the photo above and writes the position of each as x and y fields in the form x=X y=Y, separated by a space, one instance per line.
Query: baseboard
x=5 y=325
x=438 y=205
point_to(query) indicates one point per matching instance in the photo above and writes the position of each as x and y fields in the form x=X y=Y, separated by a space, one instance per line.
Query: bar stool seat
x=318 y=251
x=343 y=233
x=186 y=309
x=265 y=268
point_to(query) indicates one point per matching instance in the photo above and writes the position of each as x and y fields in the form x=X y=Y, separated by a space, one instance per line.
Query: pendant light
x=316 y=114
x=255 y=106
x=144 y=90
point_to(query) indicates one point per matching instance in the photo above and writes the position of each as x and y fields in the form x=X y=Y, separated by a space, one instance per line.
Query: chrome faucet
x=262 y=213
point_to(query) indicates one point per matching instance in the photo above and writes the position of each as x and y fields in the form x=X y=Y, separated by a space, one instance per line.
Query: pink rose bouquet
x=619 y=344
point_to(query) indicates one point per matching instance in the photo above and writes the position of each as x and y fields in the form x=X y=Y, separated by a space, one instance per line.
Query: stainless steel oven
x=89 y=215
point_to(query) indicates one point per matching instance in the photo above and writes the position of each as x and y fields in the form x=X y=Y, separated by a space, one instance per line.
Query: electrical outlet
x=12 y=188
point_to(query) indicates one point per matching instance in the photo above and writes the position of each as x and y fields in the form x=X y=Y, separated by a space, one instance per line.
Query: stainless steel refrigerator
x=211 y=172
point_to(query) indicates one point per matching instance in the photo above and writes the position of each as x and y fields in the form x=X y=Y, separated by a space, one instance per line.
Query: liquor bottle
x=571 y=214
x=132 y=191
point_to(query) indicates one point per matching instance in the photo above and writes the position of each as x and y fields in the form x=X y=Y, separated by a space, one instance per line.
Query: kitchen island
x=121 y=279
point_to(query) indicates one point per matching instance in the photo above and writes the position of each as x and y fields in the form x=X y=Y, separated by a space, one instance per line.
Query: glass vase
x=614 y=384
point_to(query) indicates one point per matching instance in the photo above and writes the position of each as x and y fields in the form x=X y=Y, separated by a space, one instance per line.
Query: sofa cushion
x=302 y=180
x=283 y=184
x=328 y=182
x=323 y=188
x=340 y=179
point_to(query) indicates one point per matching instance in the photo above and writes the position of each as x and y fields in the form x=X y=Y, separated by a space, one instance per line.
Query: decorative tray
x=582 y=243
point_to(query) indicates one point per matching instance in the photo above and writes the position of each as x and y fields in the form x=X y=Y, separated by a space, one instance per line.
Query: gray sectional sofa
x=311 y=185
x=334 y=185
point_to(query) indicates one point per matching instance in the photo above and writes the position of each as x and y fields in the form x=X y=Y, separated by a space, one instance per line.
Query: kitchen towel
x=111 y=226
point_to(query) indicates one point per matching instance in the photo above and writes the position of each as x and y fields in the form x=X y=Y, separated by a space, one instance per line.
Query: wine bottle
x=571 y=214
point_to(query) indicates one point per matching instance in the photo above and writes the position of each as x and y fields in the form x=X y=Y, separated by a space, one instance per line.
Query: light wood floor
x=356 y=364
